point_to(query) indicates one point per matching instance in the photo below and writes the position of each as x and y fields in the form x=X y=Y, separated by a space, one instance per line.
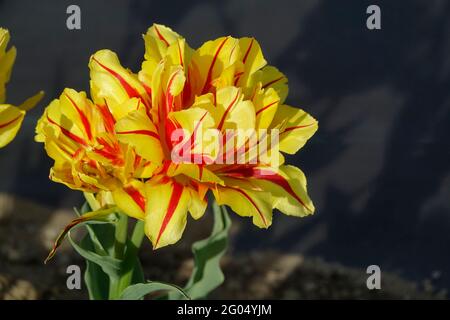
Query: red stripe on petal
x=200 y=172
x=132 y=92
x=169 y=96
x=136 y=196
x=237 y=76
x=179 y=53
x=161 y=36
x=213 y=62
x=83 y=117
x=144 y=132
x=67 y=133
x=266 y=107
x=253 y=203
x=177 y=191
x=298 y=127
x=108 y=118
x=272 y=82
x=110 y=151
x=248 y=51
x=227 y=110
x=279 y=180
x=3 y=125
x=193 y=135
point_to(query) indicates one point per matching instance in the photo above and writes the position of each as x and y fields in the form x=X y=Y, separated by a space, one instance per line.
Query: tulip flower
x=125 y=140
x=151 y=145
x=11 y=117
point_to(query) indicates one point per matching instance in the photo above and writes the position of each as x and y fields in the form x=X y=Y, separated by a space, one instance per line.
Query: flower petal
x=287 y=185
x=11 y=119
x=296 y=127
x=190 y=143
x=246 y=201
x=157 y=40
x=112 y=83
x=266 y=104
x=131 y=199
x=210 y=60
x=197 y=205
x=137 y=130
x=166 y=212
x=199 y=173
x=271 y=77
x=252 y=60
x=7 y=59
x=231 y=111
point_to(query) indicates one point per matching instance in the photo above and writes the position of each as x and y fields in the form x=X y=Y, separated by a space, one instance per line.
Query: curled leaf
x=102 y=216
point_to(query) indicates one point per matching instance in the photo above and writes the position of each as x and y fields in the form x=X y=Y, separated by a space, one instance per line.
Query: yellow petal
x=62 y=136
x=229 y=76
x=10 y=121
x=251 y=55
x=191 y=143
x=209 y=62
x=166 y=212
x=194 y=171
x=113 y=84
x=243 y=199
x=157 y=40
x=271 y=77
x=73 y=118
x=123 y=109
x=266 y=105
x=197 y=205
x=179 y=53
x=167 y=84
x=7 y=59
x=252 y=60
x=231 y=112
x=131 y=199
x=297 y=127
x=137 y=130
x=287 y=185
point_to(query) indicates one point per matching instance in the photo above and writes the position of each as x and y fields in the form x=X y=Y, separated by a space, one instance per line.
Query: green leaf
x=100 y=239
x=140 y=290
x=133 y=272
x=111 y=266
x=97 y=281
x=103 y=269
x=99 y=234
x=207 y=274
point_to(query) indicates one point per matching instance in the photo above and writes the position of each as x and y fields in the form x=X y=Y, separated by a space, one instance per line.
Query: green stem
x=121 y=236
x=119 y=252
x=138 y=235
x=131 y=264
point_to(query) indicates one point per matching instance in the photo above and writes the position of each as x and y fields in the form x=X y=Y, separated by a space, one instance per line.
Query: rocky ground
x=27 y=231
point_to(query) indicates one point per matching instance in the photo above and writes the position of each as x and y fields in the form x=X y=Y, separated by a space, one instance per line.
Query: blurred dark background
x=378 y=168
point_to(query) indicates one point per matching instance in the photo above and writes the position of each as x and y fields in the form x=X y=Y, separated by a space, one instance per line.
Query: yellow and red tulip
x=11 y=117
x=122 y=142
